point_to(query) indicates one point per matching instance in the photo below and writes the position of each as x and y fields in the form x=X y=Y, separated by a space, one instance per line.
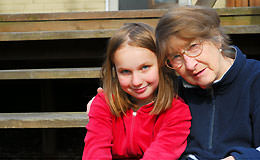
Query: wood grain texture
x=43 y=120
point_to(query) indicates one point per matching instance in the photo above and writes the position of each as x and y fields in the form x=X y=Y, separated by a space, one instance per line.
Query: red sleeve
x=171 y=139
x=99 y=131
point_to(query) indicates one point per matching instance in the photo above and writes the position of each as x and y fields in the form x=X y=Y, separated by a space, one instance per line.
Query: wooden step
x=45 y=26
x=63 y=73
x=43 y=120
x=242 y=29
x=106 y=33
x=47 y=35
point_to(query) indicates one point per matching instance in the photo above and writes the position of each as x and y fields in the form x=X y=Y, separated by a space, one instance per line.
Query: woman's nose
x=189 y=62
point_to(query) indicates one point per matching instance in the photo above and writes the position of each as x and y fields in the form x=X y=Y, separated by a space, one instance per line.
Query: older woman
x=219 y=84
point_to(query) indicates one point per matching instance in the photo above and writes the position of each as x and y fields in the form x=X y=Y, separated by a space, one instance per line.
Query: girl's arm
x=171 y=139
x=99 y=131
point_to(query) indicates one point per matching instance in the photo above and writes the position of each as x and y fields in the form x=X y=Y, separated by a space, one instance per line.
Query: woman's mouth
x=197 y=75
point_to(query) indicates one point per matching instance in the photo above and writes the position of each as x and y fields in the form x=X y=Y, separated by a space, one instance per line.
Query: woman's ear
x=218 y=41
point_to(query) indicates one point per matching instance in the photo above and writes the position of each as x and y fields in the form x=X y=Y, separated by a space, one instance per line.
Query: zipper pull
x=134 y=113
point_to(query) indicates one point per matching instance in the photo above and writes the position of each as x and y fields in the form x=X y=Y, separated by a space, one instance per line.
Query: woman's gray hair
x=189 y=22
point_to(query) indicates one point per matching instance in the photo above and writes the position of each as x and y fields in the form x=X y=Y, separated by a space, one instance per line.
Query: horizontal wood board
x=43 y=120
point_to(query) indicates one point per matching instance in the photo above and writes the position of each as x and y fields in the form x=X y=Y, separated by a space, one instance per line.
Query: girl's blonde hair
x=189 y=22
x=138 y=35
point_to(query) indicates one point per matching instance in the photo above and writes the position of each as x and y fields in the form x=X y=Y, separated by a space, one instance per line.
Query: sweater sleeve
x=99 y=131
x=239 y=152
x=171 y=139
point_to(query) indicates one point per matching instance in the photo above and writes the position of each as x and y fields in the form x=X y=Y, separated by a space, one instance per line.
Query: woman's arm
x=99 y=90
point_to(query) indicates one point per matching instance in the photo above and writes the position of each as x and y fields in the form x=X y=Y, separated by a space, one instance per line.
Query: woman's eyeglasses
x=176 y=61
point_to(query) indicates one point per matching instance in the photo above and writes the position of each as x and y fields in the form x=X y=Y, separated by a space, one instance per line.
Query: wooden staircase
x=29 y=53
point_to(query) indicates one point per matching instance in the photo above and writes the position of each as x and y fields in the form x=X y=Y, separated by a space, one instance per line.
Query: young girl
x=139 y=115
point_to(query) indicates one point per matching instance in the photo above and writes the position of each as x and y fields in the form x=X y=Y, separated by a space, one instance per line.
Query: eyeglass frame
x=186 y=52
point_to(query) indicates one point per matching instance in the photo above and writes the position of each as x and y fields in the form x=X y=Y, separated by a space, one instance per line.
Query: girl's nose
x=136 y=79
x=189 y=62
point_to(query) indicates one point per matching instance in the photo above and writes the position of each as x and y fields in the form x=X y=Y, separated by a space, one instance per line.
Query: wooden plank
x=106 y=33
x=242 y=29
x=148 y=13
x=64 y=73
x=238 y=11
x=254 y=3
x=102 y=15
x=43 y=120
x=240 y=20
x=230 y=3
x=46 y=35
x=208 y=3
x=70 y=25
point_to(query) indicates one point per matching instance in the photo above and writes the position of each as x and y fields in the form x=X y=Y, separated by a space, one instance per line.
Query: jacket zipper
x=132 y=131
x=212 y=118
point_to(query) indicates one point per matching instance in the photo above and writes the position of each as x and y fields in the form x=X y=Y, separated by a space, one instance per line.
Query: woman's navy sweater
x=226 y=116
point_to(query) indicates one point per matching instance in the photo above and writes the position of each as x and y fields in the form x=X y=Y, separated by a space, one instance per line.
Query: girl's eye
x=124 y=71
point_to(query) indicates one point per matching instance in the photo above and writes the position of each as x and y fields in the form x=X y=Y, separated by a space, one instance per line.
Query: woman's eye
x=176 y=56
x=145 y=67
x=193 y=47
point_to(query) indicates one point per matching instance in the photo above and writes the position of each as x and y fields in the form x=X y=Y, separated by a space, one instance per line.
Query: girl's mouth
x=139 y=90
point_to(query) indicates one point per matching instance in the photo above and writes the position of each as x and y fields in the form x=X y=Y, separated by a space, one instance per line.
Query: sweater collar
x=146 y=108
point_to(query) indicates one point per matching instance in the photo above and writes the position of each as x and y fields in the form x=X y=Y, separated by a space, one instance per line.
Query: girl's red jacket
x=138 y=135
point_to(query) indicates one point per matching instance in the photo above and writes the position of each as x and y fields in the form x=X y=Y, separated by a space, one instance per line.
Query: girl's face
x=204 y=69
x=137 y=71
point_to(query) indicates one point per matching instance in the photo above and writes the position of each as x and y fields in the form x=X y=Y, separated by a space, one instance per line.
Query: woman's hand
x=99 y=90
x=229 y=158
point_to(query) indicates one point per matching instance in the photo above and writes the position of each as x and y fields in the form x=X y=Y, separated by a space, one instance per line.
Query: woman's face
x=203 y=70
